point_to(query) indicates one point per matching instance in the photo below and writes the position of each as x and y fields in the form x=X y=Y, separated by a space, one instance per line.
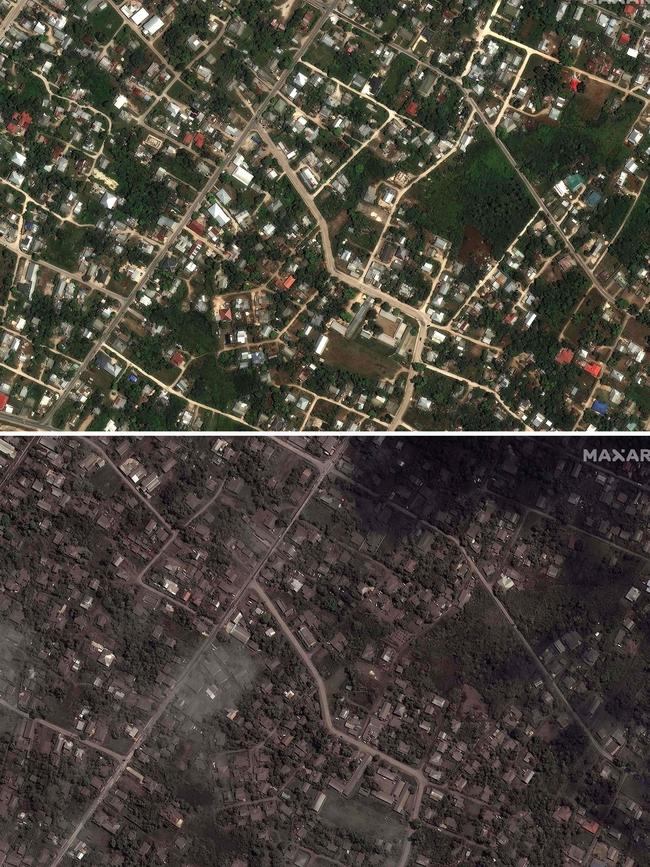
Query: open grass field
x=104 y=23
x=362 y=816
x=365 y=357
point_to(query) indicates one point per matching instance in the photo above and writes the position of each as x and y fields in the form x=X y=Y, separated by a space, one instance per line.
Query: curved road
x=524 y=180
x=413 y=773
x=423 y=321
x=195 y=205
x=191 y=665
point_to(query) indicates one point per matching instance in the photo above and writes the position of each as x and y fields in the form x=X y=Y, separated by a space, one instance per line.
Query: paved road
x=11 y=16
x=16 y=422
x=194 y=661
x=138 y=742
x=423 y=321
x=502 y=608
x=94 y=445
x=415 y=774
x=330 y=264
x=171 y=390
x=412 y=773
x=550 y=682
x=17 y=461
x=195 y=206
x=529 y=186
x=141 y=37
x=73 y=736
x=541 y=203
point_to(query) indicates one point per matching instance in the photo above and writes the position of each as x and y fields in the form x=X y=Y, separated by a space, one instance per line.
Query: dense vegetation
x=401 y=67
x=190 y=19
x=218 y=386
x=556 y=301
x=7 y=266
x=549 y=152
x=25 y=93
x=610 y=214
x=454 y=407
x=145 y=198
x=632 y=245
x=478 y=190
x=364 y=170
x=492 y=661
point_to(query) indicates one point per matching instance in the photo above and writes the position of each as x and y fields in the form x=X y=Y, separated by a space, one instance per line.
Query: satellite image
x=375 y=652
x=324 y=485
x=379 y=215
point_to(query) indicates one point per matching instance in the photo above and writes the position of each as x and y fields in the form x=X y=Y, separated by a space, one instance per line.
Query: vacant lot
x=494 y=663
x=588 y=590
x=365 y=357
x=477 y=191
x=361 y=816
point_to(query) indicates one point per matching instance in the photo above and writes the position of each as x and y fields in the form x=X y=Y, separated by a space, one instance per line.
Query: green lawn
x=64 y=246
x=344 y=65
x=104 y=24
x=478 y=189
x=392 y=84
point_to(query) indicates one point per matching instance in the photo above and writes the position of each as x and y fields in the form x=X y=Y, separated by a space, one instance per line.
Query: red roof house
x=4 y=400
x=412 y=109
x=177 y=358
x=593 y=368
x=187 y=138
x=199 y=139
x=20 y=122
x=197 y=227
x=564 y=356
x=625 y=39
x=591 y=826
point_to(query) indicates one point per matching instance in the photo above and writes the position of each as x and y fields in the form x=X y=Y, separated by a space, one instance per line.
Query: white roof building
x=153 y=25
x=218 y=213
x=243 y=176
x=129 y=9
x=140 y=16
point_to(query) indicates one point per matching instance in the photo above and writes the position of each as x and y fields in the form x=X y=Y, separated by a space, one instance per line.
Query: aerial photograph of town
x=356 y=651
x=324 y=215
x=325 y=433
